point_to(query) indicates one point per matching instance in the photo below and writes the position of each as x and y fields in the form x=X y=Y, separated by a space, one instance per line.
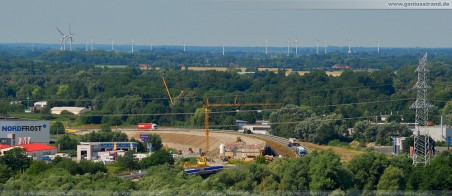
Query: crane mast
x=167 y=91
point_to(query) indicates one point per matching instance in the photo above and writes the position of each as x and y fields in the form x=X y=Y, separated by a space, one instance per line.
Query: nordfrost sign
x=23 y=128
x=37 y=130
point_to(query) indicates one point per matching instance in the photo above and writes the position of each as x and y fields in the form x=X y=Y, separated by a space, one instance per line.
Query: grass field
x=346 y=154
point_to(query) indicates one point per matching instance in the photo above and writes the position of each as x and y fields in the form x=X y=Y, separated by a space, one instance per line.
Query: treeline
x=173 y=59
x=301 y=122
x=315 y=173
x=130 y=96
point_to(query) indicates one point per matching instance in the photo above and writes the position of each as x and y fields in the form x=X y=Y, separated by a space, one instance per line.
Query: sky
x=211 y=22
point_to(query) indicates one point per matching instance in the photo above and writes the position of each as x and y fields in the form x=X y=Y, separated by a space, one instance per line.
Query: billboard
x=144 y=137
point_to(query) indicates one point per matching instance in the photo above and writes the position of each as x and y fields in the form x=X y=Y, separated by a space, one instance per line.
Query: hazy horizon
x=209 y=23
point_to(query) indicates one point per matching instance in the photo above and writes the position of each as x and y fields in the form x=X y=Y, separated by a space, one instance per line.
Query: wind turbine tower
x=222 y=45
x=62 y=40
x=112 y=45
x=317 y=42
x=150 y=43
x=324 y=45
x=296 y=46
x=91 y=45
x=70 y=38
x=266 y=47
x=349 y=47
x=378 y=46
x=184 y=46
x=288 y=47
x=133 y=42
x=421 y=136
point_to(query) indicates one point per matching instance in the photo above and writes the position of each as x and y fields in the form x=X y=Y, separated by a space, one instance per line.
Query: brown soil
x=183 y=140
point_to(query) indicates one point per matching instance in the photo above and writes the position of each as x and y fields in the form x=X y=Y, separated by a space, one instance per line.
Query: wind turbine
x=91 y=45
x=288 y=47
x=378 y=46
x=132 y=45
x=296 y=46
x=70 y=37
x=150 y=45
x=62 y=40
x=112 y=45
x=266 y=47
x=184 y=46
x=349 y=47
x=222 y=45
x=317 y=42
x=324 y=45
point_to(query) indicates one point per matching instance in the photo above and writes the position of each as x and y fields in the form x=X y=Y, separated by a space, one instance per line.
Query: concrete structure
x=16 y=131
x=96 y=150
x=40 y=104
x=242 y=150
x=261 y=127
x=240 y=124
x=438 y=134
x=74 y=110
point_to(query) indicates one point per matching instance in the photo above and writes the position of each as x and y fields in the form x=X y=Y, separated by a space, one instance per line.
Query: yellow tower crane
x=167 y=90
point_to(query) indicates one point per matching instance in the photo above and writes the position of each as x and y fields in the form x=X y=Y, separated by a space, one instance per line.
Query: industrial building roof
x=3 y=146
x=74 y=110
x=13 y=119
x=36 y=147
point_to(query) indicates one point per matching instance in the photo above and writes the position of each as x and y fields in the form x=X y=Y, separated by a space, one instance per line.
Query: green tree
x=327 y=173
x=16 y=159
x=5 y=173
x=156 y=141
x=38 y=167
x=57 y=127
x=284 y=118
x=366 y=169
x=127 y=162
x=68 y=164
x=66 y=142
x=157 y=158
x=92 y=167
x=392 y=179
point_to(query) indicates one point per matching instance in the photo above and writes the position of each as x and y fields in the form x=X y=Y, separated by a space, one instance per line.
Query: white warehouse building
x=15 y=131
x=74 y=110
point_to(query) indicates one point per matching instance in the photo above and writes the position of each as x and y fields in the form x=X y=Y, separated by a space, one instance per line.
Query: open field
x=346 y=154
x=111 y=66
x=211 y=68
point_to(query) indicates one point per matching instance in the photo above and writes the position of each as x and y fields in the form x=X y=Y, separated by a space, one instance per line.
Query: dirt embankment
x=184 y=140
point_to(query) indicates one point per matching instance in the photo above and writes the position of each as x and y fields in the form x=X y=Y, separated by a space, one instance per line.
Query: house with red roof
x=34 y=150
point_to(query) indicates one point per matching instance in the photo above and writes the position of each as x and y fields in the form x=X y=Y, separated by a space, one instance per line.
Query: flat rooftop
x=15 y=119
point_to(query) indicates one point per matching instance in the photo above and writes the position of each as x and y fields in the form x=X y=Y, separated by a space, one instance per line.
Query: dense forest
x=316 y=173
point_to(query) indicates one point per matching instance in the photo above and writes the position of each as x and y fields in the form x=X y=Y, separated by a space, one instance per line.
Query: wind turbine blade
x=60 y=31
